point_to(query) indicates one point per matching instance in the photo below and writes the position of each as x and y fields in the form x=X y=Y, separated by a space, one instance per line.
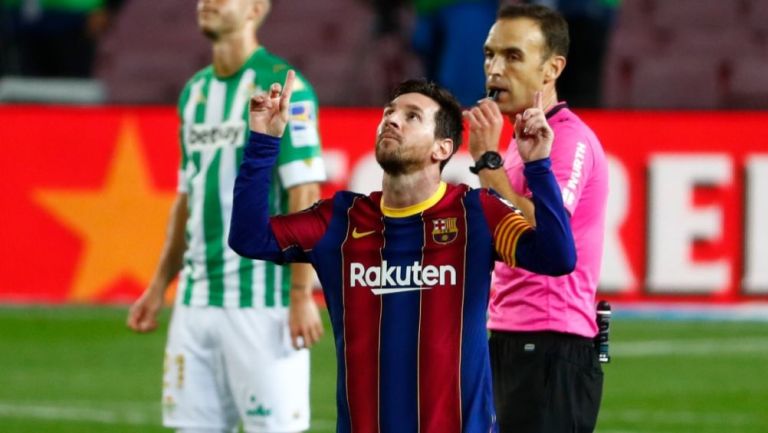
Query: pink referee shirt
x=524 y=301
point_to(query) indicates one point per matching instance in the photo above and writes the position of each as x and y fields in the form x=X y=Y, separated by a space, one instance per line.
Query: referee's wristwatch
x=490 y=160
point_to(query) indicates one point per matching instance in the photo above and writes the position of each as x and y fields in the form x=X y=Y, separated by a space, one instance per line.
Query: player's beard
x=215 y=27
x=392 y=160
x=210 y=35
x=208 y=29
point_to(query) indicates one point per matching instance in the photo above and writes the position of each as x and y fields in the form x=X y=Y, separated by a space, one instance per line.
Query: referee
x=546 y=374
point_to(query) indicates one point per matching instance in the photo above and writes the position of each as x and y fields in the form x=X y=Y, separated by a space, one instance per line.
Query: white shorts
x=224 y=365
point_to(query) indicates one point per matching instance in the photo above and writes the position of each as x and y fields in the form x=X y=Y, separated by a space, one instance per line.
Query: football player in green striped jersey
x=238 y=338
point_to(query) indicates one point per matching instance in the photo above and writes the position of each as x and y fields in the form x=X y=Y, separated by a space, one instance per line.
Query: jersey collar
x=402 y=212
x=555 y=109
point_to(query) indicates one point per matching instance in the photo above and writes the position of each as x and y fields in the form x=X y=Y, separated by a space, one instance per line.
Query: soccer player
x=546 y=374
x=229 y=355
x=406 y=270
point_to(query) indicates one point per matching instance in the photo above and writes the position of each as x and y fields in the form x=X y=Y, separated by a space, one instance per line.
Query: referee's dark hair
x=553 y=26
x=448 y=119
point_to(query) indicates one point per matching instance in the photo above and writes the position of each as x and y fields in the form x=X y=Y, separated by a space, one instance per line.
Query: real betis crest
x=444 y=230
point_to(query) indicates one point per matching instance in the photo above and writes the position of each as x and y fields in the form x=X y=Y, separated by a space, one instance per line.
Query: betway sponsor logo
x=387 y=279
x=569 y=192
x=201 y=136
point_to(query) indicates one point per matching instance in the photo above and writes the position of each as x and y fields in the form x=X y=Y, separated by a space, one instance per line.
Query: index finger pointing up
x=287 y=88
x=538 y=100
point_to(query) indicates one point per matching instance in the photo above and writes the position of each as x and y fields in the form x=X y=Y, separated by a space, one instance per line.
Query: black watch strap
x=490 y=160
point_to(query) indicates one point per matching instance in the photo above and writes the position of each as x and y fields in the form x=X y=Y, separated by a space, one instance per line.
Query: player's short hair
x=552 y=24
x=448 y=119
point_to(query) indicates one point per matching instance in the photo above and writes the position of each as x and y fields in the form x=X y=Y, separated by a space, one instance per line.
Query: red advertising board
x=86 y=193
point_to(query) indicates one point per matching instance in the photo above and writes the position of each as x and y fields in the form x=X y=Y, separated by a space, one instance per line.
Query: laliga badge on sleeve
x=303 y=124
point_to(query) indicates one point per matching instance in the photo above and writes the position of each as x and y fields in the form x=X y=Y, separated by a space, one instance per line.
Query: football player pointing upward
x=406 y=270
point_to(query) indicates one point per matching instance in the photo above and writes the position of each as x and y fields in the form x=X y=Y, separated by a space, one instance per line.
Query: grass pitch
x=78 y=369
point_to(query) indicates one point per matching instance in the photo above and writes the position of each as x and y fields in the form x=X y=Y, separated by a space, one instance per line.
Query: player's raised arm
x=250 y=233
x=549 y=248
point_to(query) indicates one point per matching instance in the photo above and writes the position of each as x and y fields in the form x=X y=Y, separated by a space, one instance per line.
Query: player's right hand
x=533 y=134
x=142 y=316
x=304 y=321
x=485 y=125
x=269 y=112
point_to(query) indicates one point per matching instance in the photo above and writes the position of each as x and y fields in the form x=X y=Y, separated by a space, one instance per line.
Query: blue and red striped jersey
x=407 y=298
x=407 y=293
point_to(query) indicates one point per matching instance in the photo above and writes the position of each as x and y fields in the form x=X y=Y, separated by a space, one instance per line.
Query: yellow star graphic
x=122 y=224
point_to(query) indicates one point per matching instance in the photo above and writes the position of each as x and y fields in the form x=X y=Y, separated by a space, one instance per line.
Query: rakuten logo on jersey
x=387 y=279
x=201 y=136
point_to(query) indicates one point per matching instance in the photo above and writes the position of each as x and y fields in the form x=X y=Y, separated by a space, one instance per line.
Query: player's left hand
x=533 y=134
x=304 y=321
x=269 y=111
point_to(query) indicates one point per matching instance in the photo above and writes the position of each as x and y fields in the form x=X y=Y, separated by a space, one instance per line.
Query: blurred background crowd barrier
x=689 y=54
x=85 y=199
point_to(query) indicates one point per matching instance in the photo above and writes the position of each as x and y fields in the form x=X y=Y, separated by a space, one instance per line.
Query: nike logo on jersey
x=357 y=235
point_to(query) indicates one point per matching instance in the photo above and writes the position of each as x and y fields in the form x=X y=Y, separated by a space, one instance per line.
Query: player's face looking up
x=219 y=18
x=518 y=63
x=405 y=138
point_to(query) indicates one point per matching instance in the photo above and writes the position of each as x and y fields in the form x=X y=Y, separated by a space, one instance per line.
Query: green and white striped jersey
x=214 y=131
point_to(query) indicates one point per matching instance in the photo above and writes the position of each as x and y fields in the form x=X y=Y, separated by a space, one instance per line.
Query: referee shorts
x=545 y=382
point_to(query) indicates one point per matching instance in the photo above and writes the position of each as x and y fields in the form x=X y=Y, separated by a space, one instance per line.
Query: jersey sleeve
x=250 y=230
x=253 y=233
x=506 y=223
x=572 y=160
x=300 y=158
x=549 y=248
x=297 y=233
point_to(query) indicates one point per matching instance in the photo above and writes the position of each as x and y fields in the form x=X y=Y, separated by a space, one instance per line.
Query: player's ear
x=553 y=67
x=443 y=149
x=259 y=9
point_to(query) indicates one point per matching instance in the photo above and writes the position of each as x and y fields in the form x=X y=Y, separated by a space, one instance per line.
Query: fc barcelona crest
x=444 y=230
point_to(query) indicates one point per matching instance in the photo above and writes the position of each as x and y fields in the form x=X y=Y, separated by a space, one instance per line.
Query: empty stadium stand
x=698 y=54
